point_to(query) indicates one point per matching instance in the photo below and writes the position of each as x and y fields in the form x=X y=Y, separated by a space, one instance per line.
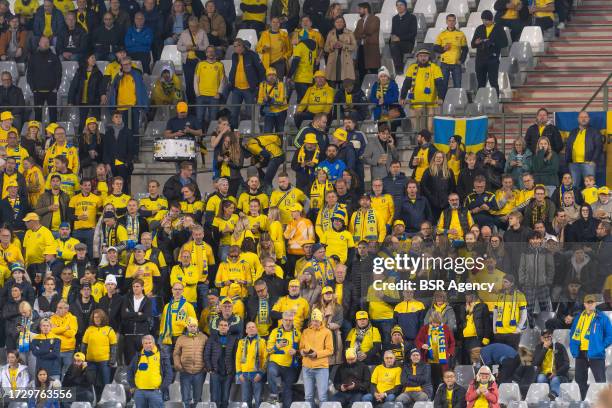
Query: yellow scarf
x=317 y=193
x=302 y=155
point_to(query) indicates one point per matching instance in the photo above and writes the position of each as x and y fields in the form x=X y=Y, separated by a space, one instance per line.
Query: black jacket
x=83 y=313
x=316 y=9
x=136 y=321
x=489 y=48
x=22 y=187
x=348 y=306
x=12 y=218
x=560 y=358
x=422 y=378
x=112 y=307
x=80 y=378
x=95 y=87
x=277 y=287
x=593 y=149
x=359 y=373
x=12 y=96
x=405 y=27
x=27 y=291
x=252 y=306
x=458 y=400
x=436 y=189
x=173 y=187
x=213 y=352
x=75 y=41
x=106 y=41
x=532 y=135
x=120 y=148
x=73 y=293
x=465 y=182
x=482 y=321
x=44 y=71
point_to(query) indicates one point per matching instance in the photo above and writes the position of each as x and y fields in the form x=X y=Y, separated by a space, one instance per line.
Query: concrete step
x=584 y=63
x=568 y=78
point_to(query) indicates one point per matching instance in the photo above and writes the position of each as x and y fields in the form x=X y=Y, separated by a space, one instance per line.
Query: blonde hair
x=24 y=306
x=441 y=170
x=273 y=214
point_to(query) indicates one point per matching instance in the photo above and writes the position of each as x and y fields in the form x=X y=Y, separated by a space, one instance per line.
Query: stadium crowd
x=258 y=279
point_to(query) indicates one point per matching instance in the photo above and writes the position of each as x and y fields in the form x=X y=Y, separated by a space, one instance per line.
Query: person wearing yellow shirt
x=254 y=16
x=272 y=98
x=423 y=89
x=14 y=375
x=510 y=313
x=274 y=48
x=382 y=204
x=285 y=197
x=61 y=147
x=543 y=11
x=511 y=14
x=69 y=182
x=295 y=303
x=35 y=180
x=100 y=345
x=364 y=339
x=488 y=40
x=188 y=274
x=148 y=373
x=83 y=211
x=306 y=32
x=473 y=325
x=339 y=241
x=202 y=257
x=64 y=325
x=37 y=240
x=283 y=365
x=507 y=197
x=251 y=363
x=6 y=127
x=386 y=381
x=175 y=316
x=26 y=9
x=117 y=197
x=9 y=254
x=245 y=76
x=16 y=151
x=153 y=204
x=455 y=220
x=233 y=271
x=208 y=81
x=303 y=61
x=482 y=392
x=65 y=244
x=451 y=44
x=145 y=270
x=422 y=155
x=317 y=99
x=590 y=192
x=552 y=359
x=331 y=209
x=365 y=225
x=45 y=346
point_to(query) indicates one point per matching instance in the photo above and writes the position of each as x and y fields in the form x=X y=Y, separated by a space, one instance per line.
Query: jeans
x=579 y=171
x=280 y=380
x=102 y=370
x=447 y=71
x=206 y=113
x=65 y=361
x=220 y=386
x=148 y=399
x=384 y=327
x=275 y=123
x=554 y=383
x=315 y=377
x=202 y=289
x=347 y=398
x=237 y=98
x=370 y=398
x=191 y=387
x=250 y=389
x=86 y=237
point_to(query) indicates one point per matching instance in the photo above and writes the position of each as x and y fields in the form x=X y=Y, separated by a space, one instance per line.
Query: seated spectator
x=403 y=34
x=385 y=94
x=488 y=40
x=483 y=390
x=176 y=23
x=73 y=42
x=602 y=208
x=553 y=363
x=511 y=14
x=213 y=24
x=415 y=380
x=166 y=90
x=584 y=229
x=568 y=305
x=48 y=22
x=107 y=38
x=567 y=184
x=352 y=102
x=386 y=381
x=13 y=46
x=317 y=99
x=79 y=377
x=543 y=11
x=12 y=96
x=274 y=48
x=423 y=89
x=364 y=339
x=450 y=394
x=138 y=42
x=352 y=380
x=192 y=44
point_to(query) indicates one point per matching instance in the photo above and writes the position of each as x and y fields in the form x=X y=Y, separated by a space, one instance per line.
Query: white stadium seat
x=171 y=53
x=427 y=8
x=351 y=20
x=248 y=34
x=533 y=35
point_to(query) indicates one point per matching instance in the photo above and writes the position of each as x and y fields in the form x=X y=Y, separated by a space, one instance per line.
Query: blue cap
x=139 y=248
x=65 y=225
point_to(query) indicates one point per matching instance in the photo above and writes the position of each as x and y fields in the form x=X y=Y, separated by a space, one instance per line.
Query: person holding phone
x=284 y=365
x=352 y=380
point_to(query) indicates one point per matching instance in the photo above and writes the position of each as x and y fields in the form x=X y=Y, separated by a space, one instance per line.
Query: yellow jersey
x=210 y=78
x=317 y=99
x=90 y=206
x=423 y=89
x=456 y=39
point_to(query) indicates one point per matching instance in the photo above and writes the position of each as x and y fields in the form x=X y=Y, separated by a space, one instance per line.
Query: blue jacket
x=600 y=336
x=142 y=96
x=47 y=353
x=138 y=41
x=497 y=352
x=396 y=186
x=227 y=10
x=334 y=169
x=253 y=67
x=593 y=151
x=391 y=97
x=413 y=214
x=57 y=22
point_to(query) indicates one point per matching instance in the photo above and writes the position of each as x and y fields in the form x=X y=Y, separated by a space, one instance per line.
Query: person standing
x=148 y=374
x=366 y=33
x=489 y=39
x=452 y=46
x=44 y=75
x=220 y=362
x=316 y=345
x=583 y=150
x=283 y=367
x=189 y=361
x=403 y=34
x=251 y=360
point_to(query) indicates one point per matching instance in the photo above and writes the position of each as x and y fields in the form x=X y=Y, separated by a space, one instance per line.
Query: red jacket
x=421 y=339
x=492 y=396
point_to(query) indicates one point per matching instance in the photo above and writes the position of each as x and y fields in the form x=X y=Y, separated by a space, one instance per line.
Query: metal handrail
x=603 y=86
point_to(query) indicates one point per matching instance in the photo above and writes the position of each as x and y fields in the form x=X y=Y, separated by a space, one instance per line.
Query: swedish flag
x=568 y=121
x=473 y=132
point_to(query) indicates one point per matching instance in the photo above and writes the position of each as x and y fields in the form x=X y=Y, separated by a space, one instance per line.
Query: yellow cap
x=181 y=107
x=6 y=115
x=350 y=353
x=227 y=300
x=398 y=222
x=91 y=119
x=327 y=289
x=296 y=207
x=361 y=315
x=397 y=329
x=310 y=138
x=341 y=134
x=316 y=315
x=50 y=250
x=31 y=217
x=51 y=127
x=603 y=190
x=271 y=71
x=12 y=183
x=79 y=356
x=319 y=74
x=308 y=242
x=34 y=123
x=294 y=283
x=191 y=321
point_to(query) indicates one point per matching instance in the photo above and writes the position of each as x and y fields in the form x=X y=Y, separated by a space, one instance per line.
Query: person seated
x=416 y=380
x=79 y=377
x=450 y=394
x=364 y=339
x=553 y=363
x=318 y=98
x=351 y=101
x=483 y=392
x=139 y=41
x=400 y=347
x=73 y=42
x=385 y=382
x=167 y=89
x=352 y=380
x=13 y=45
x=385 y=94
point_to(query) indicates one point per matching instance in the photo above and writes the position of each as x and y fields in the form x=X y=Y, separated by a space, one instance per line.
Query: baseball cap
x=227 y=300
x=31 y=217
x=398 y=222
x=327 y=289
x=181 y=107
x=6 y=115
x=296 y=207
x=51 y=127
x=362 y=314
x=603 y=190
x=90 y=119
x=34 y=123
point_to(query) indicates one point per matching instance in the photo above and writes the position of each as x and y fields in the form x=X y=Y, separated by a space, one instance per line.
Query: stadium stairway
x=569 y=73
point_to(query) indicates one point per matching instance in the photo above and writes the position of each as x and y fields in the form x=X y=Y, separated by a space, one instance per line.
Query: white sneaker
x=561 y=26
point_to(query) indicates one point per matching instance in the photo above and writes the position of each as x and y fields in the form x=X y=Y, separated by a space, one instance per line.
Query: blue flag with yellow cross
x=473 y=132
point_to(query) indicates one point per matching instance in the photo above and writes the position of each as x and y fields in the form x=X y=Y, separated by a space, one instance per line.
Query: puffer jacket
x=536 y=268
x=212 y=354
x=189 y=353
